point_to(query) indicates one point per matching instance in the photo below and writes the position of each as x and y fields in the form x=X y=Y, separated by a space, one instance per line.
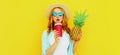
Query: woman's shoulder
x=45 y=31
x=45 y=34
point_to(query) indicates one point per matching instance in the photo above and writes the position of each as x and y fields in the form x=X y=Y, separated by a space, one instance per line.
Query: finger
x=76 y=38
x=80 y=34
x=57 y=38
x=55 y=35
x=57 y=32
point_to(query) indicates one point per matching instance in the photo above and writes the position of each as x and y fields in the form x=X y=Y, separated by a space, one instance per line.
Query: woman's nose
x=57 y=16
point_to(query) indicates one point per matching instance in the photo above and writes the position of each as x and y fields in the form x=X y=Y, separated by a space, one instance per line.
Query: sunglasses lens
x=54 y=14
x=60 y=13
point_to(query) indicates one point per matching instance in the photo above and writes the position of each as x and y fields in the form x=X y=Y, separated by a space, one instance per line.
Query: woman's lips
x=58 y=19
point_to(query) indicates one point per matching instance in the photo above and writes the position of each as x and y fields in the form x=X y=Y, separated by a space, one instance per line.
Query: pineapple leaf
x=79 y=18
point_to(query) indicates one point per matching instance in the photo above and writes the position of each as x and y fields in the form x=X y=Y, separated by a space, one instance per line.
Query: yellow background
x=23 y=21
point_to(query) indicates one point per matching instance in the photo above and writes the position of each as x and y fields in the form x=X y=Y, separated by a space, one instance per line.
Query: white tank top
x=61 y=49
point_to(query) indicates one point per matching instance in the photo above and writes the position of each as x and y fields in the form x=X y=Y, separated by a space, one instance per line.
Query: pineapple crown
x=79 y=18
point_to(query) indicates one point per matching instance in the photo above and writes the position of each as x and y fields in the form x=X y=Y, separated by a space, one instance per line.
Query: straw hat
x=67 y=11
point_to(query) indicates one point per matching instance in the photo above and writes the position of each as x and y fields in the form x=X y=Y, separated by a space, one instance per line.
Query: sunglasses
x=59 y=13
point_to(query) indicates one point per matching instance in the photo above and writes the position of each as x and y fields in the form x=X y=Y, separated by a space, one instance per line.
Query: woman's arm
x=75 y=46
x=52 y=48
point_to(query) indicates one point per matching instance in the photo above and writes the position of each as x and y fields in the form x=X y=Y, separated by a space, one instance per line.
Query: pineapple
x=79 y=19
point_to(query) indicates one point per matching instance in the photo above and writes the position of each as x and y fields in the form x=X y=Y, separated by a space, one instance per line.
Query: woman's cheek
x=61 y=18
x=54 y=18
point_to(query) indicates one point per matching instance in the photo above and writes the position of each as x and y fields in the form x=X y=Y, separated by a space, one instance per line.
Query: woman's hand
x=56 y=36
x=78 y=37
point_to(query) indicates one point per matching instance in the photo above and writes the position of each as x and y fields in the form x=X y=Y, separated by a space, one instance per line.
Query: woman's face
x=57 y=15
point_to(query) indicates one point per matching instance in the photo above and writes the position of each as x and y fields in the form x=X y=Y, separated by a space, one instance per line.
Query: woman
x=52 y=43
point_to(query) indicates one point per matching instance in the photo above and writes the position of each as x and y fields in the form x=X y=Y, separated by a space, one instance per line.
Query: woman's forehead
x=57 y=10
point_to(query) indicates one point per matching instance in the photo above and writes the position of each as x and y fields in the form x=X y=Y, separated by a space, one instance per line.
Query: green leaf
x=79 y=18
